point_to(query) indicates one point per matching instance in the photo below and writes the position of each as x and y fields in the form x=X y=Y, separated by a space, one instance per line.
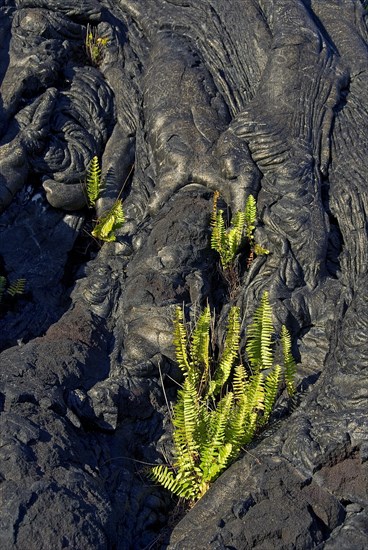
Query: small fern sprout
x=250 y=218
x=107 y=225
x=289 y=361
x=95 y=45
x=93 y=181
x=17 y=287
x=228 y=241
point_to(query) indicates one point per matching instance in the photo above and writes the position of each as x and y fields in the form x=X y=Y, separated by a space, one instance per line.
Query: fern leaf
x=182 y=486
x=185 y=420
x=236 y=427
x=271 y=384
x=250 y=217
x=216 y=196
x=180 y=341
x=259 y=250
x=210 y=431
x=216 y=437
x=259 y=345
x=222 y=462
x=237 y=230
x=93 y=181
x=230 y=352
x=254 y=405
x=108 y=224
x=218 y=236
x=255 y=393
x=240 y=382
x=17 y=287
x=289 y=361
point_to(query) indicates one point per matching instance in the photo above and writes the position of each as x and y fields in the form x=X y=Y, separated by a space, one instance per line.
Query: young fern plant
x=227 y=241
x=94 y=183
x=15 y=288
x=107 y=225
x=221 y=403
x=95 y=45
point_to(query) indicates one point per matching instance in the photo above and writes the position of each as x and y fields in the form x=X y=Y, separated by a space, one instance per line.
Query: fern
x=272 y=384
x=289 y=361
x=93 y=181
x=220 y=405
x=250 y=216
x=210 y=465
x=17 y=287
x=259 y=345
x=230 y=352
x=13 y=289
x=106 y=226
x=95 y=45
x=181 y=344
x=228 y=241
x=185 y=414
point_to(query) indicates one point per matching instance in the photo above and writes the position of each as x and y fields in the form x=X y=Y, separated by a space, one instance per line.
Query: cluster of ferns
x=222 y=401
x=107 y=225
x=225 y=397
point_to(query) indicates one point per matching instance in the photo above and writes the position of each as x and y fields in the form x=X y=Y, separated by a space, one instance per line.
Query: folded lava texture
x=179 y=99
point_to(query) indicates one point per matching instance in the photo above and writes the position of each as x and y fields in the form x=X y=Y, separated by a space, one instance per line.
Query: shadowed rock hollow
x=267 y=97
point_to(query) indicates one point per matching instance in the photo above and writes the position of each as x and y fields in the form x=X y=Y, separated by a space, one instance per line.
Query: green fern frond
x=259 y=250
x=218 y=237
x=226 y=242
x=17 y=287
x=182 y=486
x=240 y=382
x=95 y=45
x=216 y=438
x=93 y=181
x=255 y=393
x=236 y=430
x=259 y=345
x=230 y=352
x=235 y=234
x=271 y=385
x=220 y=463
x=180 y=340
x=186 y=412
x=106 y=226
x=289 y=361
x=250 y=217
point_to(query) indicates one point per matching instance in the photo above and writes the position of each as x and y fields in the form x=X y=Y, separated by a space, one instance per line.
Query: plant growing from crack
x=95 y=45
x=228 y=241
x=222 y=403
x=107 y=224
x=10 y=290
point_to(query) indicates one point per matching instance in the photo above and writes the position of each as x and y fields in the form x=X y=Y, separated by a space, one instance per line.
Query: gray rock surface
x=262 y=97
